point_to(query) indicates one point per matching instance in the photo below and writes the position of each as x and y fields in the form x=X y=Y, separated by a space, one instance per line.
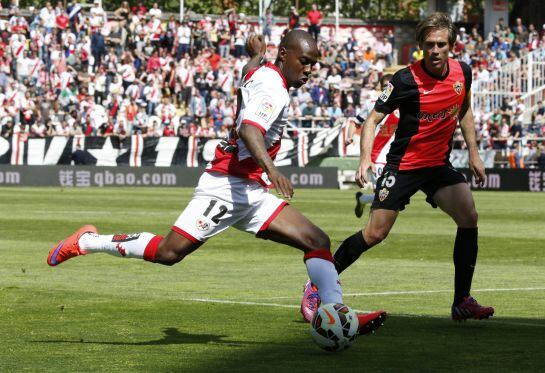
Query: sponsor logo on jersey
x=458 y=87
x=265 y=109
x=202 y=225
x=125 y=237
x=386 y=92
x=449 y=112
x=383 y=194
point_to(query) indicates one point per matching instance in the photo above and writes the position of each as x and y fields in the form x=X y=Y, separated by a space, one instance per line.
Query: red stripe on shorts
x=185 y=234
x=265 y=225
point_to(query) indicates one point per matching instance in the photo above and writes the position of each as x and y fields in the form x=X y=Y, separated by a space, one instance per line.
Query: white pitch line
x=248 y=303
x=227 y=301
x=439 y=291
x=409 y=292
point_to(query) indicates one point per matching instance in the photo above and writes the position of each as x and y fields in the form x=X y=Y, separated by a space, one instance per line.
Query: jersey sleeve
x=262 y=104
x=393 y=94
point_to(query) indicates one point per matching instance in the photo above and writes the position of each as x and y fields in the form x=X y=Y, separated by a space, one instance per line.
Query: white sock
x=323 y=274
x=367 y=198
x=124 y=245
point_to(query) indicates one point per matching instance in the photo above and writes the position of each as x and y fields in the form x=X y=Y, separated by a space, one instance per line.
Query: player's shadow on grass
x=406 y=343
x=172 y=336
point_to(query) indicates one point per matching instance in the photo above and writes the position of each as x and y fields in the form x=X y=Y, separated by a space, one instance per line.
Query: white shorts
x=221 y=201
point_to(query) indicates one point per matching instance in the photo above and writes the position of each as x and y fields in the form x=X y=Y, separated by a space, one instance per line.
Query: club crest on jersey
x=383 y=194
x=202 y=225
x=458 y=87
x=386 y=92
x=265 y=109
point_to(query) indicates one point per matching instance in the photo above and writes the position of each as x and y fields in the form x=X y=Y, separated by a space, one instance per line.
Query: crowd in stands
x=505 y=127
x=66 y=71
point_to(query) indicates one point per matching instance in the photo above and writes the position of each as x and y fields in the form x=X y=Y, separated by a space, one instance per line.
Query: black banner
x=506 y=179
x=135 y=151
x=91 y=176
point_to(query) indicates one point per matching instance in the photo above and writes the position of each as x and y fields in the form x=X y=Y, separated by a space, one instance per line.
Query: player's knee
x=317 y=240
x=375 y=236
x=470 y=219
x=168 y=256
x=323 y=241
x=474 y=217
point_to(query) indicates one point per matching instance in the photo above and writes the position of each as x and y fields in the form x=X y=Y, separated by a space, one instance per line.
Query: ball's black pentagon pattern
x=331 y=335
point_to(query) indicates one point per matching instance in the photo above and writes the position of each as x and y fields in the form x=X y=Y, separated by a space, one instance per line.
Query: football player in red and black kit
x=433 y=96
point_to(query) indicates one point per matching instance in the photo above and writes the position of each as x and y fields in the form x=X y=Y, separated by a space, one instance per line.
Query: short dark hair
x=436 y=21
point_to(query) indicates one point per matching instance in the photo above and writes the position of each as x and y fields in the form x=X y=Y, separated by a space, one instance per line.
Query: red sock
x=151 y=248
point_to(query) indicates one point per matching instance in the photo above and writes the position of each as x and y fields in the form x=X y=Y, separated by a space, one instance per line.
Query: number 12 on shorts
x=216 y=218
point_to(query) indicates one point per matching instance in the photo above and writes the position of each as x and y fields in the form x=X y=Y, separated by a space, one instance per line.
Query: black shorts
x=395 y=188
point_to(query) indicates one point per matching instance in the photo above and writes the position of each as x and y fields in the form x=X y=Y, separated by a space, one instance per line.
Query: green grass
x=100 y=313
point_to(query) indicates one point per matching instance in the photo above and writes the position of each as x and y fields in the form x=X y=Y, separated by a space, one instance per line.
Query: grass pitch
x=233 y=304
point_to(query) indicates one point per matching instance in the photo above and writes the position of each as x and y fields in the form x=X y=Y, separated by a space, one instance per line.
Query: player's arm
x=467 y=124
x=256 y=47
x=366 y=146
x=255 y=143
x=352 y=125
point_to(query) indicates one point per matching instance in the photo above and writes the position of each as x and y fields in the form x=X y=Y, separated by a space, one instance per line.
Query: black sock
x=465 y=257
x=349 y=251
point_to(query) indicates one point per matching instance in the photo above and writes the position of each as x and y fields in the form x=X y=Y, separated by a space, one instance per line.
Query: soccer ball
x=334 y=327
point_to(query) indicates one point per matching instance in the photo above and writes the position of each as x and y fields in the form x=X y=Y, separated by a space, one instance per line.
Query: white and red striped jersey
x=263 y=102
x=384 y=132
x=185 y=75
x=384 y=135
x=225 y=81
x=128 y=73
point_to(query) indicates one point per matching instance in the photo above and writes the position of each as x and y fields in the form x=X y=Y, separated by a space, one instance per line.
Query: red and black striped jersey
x=429 y=109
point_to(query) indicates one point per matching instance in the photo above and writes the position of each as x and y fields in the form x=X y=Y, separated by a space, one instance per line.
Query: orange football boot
x=69 y=247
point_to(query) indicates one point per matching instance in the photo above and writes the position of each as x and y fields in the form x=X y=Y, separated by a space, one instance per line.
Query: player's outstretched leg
x=148 y=246
x=292 y=228
x=378 y=227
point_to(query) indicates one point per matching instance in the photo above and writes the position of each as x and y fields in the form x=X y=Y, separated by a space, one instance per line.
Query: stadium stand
x=68 y=72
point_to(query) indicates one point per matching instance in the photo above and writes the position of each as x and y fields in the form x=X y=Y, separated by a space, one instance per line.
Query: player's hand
x=281 y=184
x=362 y=173
x=348 y=141
x=476 y=166
x=256 y=45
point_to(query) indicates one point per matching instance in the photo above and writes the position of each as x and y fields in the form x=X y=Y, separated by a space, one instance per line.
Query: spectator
x=268 y=22
x=155 y=11
x=515 y=156
x=293 y=20
x=98 y=48
x=334 y=112
x=308 y=113
x=314 y=17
